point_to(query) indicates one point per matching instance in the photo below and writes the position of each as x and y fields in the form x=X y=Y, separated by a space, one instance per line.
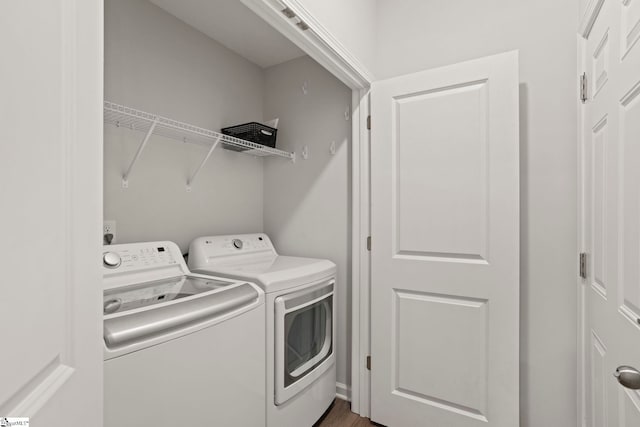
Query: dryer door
x=304 y=323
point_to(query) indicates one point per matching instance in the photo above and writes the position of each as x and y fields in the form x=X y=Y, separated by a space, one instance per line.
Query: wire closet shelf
x=122 y=116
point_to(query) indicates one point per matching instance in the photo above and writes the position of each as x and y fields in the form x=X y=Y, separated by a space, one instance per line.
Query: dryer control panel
x=232 y=245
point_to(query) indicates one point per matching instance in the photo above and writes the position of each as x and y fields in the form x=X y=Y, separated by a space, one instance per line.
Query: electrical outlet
x=109 y=227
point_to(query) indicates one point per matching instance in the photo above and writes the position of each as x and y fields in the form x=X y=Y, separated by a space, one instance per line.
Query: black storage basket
x=254 y=132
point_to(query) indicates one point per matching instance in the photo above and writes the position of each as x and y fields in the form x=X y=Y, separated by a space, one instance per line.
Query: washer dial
x=111 y=260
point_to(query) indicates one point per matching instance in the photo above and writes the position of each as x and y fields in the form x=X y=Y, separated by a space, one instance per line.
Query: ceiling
x=233 y=25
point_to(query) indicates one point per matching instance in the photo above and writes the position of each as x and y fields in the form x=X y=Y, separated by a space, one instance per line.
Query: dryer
x=300 y=320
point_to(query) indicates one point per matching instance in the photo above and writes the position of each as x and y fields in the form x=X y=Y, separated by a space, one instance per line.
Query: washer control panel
x=140 y=256
x=111 y=260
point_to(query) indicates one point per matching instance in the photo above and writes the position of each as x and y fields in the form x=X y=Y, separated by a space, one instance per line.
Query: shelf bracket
x=202 y=163
x=125 y=177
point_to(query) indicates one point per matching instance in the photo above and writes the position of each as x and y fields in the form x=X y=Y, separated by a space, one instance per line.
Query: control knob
x=237 y=243
x=111 y=260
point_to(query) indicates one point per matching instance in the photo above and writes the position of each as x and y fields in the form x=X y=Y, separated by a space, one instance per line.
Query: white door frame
x=324 y=48
x=580 y=282
x=584 y=29
x=360 y=256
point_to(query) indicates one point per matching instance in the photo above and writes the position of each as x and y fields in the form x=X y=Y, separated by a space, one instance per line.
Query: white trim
x=86 y=208
x=87 y=205
x=589 y=17
x=317 y=41
x=360 y=264
x=580 y=283
x=355 y=250
x=343 y=392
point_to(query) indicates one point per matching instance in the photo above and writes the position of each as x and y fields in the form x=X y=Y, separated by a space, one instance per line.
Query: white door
x=445 y=246
x=610 y=229
x=51 y=196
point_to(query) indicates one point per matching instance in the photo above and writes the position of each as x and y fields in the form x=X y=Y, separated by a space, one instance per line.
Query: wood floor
x=340 y=415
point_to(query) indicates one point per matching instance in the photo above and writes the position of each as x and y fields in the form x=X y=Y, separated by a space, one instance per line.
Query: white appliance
x=300 y=318
x=180 y=349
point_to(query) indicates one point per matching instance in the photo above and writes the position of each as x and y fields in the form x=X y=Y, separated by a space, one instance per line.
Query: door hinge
x=368 y=122
x=369 y=243
x=583 y=88
x=368 y=363
x=583 y=265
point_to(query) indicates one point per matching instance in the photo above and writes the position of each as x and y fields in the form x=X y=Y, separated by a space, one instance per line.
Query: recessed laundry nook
x=180 y=79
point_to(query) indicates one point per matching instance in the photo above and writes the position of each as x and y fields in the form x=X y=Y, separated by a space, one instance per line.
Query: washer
x=300 y=319
x=179 y=348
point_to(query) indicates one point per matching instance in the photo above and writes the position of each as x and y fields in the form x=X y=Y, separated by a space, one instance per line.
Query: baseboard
x=343 y=392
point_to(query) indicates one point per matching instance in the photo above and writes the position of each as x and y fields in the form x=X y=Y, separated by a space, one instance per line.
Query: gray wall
x=307 y=203
x=157 y=63
x=415 y=35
